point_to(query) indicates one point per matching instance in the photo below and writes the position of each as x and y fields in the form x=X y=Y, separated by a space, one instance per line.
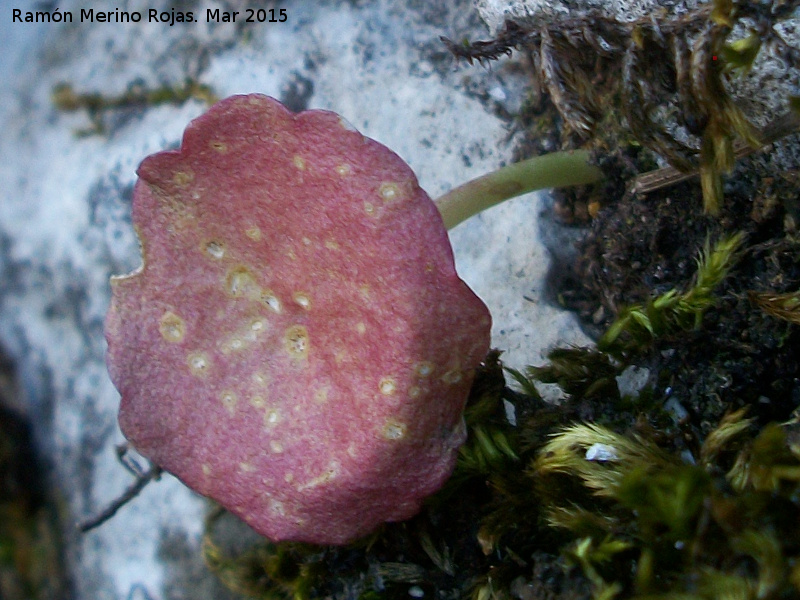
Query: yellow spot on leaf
x=343 y=169
x=452 y=377
x=269 y=298
x=229 y=401
x=325 y=477
x=414 y=391
x=206 y=469
x=321 y=395
x=232 y=345
x=215 y=249
x=299 y=162
x=271 y=417
x=183 y=178
x=389 y=191
x=423 y=369
x=219 y=146
x=296 y=341
x=277 y=508
x=246 y=467
x=331 y=245
x=254 y=233
x=276 y=447
x=199 y=363
x=258 y=402
x=369 y=208
x=239 y=283
x=172 y=327
x=387 y=386
x=361 y=328
x=394 y=430
x=302 y=299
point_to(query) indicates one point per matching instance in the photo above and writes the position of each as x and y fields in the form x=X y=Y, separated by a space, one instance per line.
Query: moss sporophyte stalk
x=558 y=169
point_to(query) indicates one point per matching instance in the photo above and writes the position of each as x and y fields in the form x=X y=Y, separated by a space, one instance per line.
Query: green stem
x=558 y=169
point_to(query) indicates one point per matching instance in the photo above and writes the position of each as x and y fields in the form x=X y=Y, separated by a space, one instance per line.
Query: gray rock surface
x=496 y=12
x=65 y=218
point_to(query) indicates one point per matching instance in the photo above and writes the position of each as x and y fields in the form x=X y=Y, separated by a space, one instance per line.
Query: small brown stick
x=137 y=486
x=784 y=125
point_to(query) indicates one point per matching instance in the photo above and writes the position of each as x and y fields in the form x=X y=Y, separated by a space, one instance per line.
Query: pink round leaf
x=297 y=345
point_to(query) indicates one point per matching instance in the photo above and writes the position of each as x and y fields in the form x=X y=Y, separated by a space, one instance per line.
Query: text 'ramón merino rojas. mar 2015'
x=152 y=15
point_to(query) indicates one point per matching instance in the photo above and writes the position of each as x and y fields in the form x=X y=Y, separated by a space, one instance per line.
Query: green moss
x=287 y=571
x=637 y=326
x=96 y=104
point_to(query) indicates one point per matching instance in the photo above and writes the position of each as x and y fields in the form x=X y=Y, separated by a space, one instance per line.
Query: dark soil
x=638 y=248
